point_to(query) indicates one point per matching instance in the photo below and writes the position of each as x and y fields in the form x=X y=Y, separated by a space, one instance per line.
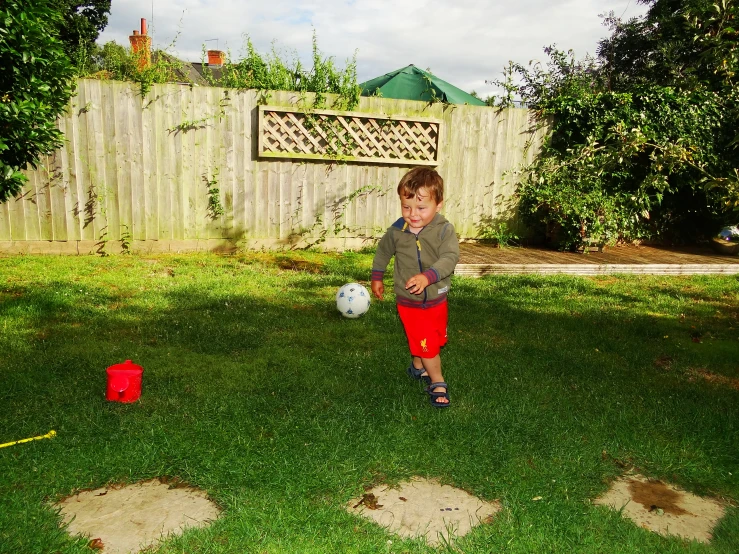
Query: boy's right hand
x=378 y=289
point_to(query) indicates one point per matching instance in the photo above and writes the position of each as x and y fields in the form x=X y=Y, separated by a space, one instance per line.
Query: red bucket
x=124 y=382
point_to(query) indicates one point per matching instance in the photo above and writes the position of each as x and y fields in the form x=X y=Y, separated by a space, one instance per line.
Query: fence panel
x=181 y=170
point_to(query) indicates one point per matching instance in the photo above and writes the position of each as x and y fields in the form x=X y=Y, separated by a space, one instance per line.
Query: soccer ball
x=352 y=300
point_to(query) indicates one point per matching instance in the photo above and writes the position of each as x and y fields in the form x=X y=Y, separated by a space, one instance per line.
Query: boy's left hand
x=417 y=284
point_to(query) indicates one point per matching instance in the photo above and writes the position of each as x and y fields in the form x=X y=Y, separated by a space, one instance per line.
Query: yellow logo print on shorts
x=423 y=345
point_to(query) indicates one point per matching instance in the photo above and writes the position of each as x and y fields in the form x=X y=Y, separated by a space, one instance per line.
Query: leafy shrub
x=630 y=166
x=35 y=87
x=643 y=140
x=118 y=63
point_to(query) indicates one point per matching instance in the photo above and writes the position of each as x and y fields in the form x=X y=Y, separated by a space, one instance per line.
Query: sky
x=464 y=42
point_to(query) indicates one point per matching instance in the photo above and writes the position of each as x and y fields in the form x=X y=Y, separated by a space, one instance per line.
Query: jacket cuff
x=377 y=275
x=431 y=275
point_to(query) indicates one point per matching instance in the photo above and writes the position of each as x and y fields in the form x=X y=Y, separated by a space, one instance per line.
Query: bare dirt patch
x=663 y=508
x=655 y=495
x=128 y=519
x=714 y=378
x=424 y=508
x=296 y=264
x=664 y=362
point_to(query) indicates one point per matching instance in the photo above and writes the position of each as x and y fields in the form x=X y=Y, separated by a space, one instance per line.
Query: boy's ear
x=438 y=206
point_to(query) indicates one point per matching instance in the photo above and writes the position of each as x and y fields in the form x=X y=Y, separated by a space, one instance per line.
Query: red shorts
x=425 y=329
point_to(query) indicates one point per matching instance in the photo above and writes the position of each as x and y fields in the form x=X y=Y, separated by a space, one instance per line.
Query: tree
x=681 y=43
x=82 y=21
x=35 y=87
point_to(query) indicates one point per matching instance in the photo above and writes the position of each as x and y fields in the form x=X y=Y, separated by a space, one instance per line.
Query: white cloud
x=465 y=42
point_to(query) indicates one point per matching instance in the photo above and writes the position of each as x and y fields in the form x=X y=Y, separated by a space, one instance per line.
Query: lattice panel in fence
x=348 y=136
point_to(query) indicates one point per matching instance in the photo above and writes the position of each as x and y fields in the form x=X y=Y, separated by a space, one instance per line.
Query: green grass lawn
x=256 y=390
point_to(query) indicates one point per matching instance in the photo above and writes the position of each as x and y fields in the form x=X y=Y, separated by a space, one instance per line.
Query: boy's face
x=419 y=210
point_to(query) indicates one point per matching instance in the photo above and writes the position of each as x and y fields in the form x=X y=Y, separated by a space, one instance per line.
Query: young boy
x=426 y=250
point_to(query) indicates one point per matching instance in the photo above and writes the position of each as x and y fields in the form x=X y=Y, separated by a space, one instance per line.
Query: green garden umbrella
x=411 y=83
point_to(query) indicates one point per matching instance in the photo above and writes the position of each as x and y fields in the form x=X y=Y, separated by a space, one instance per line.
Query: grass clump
x=256 y=390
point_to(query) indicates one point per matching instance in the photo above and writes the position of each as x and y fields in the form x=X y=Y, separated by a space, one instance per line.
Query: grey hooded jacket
x=434 y=251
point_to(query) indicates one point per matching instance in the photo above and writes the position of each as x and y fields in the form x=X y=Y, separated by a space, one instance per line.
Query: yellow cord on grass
x=50 y=435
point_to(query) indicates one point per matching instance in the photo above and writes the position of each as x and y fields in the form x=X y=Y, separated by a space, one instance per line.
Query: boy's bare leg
x=433 y=368
x=418 y=362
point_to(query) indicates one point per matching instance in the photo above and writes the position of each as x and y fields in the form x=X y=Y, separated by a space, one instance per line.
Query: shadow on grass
x=266 y=395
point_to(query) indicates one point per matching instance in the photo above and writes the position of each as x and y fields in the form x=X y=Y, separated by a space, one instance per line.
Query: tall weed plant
x=253 y=71
x=118 y=63
x=274 y=72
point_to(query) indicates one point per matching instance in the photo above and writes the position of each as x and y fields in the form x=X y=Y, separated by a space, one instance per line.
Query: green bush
x=643 y=140
x=36 y=82
x=115 y=62
x=630 y=166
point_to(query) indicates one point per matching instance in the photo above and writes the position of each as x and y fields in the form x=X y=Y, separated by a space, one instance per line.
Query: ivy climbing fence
x=195 y=168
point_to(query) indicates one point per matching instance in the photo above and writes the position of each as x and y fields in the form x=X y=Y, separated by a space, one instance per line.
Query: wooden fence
x=181 y=170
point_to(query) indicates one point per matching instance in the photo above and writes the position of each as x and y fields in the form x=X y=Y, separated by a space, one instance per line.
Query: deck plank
x=477 y=260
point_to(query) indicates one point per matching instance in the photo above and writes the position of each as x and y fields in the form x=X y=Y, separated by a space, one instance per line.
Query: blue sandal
x=417 y=374
x=434 y=396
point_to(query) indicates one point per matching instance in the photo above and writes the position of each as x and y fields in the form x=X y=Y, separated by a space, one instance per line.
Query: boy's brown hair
x=422 y=177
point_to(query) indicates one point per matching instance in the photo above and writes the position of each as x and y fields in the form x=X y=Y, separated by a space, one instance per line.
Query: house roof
x=203 y=69
x=196 y=73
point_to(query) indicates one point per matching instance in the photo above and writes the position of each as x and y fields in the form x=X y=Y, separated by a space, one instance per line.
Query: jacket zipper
x=420 y=265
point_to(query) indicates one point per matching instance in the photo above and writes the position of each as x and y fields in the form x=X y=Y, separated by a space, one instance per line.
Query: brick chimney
x=141 y=45
x=216 y=57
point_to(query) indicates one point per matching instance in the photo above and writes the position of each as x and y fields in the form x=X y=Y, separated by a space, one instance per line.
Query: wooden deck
x=477 y=260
